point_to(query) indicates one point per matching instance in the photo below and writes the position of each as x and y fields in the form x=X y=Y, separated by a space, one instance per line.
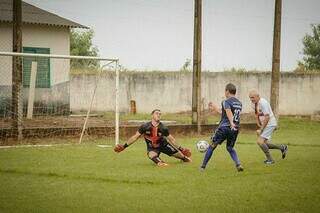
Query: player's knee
x=259 y=141
x=213 y=144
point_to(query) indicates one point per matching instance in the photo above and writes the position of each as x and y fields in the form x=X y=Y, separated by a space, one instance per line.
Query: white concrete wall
x=55 y=38
x=172 y=92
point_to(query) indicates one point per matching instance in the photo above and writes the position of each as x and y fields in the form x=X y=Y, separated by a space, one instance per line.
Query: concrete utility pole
x=275 y=76
x=17 y=103
x=196 y=85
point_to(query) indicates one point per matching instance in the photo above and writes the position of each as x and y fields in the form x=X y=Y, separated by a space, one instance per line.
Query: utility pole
x=17 y=103
x=196 y=81
x=275 y=75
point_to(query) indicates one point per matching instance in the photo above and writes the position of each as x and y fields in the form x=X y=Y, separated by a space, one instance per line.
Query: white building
x=42 y=32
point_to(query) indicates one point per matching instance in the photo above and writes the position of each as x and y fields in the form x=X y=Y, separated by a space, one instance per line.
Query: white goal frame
x=107 y=61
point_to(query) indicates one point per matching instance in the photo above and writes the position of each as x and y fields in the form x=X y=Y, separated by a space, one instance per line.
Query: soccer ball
x=202 y=146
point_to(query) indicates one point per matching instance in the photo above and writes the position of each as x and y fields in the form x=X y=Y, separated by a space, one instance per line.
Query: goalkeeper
x=158 y=140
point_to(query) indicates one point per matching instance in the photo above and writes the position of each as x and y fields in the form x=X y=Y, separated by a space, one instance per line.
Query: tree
x=81 y=44
x=186 y=67
x=311 y=50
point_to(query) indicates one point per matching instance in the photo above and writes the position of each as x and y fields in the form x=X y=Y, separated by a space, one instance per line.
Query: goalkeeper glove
x=185 y=151
x=120 y=147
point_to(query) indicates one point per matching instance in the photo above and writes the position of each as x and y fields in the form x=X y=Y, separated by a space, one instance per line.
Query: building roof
x=34 y=15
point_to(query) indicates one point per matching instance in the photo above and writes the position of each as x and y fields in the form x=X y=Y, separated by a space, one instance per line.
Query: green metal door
x=43 y=68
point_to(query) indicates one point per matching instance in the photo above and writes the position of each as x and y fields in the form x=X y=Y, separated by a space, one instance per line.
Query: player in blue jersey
x=228 y=127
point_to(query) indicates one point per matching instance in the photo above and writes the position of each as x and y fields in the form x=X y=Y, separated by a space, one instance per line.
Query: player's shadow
x=81 y=177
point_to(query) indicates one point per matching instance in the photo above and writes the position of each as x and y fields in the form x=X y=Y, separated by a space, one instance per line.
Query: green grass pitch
x=87 y=178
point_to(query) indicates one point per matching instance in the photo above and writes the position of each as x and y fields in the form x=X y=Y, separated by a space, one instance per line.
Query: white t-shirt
x=265 y=108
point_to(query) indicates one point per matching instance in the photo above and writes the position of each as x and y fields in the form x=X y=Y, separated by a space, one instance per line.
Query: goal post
x=117 y=119
x=58 y=72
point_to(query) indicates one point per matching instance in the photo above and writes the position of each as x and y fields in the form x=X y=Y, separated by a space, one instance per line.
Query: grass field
x=87 y=178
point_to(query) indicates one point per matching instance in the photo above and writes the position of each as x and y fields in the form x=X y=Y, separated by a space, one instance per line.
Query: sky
x=158 y=34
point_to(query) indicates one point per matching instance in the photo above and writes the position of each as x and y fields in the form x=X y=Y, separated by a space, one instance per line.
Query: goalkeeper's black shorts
x=164 y=147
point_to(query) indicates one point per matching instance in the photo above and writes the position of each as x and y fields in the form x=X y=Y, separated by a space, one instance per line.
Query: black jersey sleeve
x=142 y=129
x=165 y=131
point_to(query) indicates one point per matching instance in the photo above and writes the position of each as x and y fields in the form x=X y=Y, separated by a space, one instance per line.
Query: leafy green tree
x=311 y=50
x=81 y=44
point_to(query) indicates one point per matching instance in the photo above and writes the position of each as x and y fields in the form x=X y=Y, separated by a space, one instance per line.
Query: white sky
x=158 y=34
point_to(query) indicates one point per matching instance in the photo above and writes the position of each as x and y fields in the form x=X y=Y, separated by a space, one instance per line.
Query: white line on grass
x=104 y=146
x=46 y=145
x=24 y=146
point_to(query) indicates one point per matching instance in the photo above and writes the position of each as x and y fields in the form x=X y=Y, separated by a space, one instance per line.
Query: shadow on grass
x=78 y=177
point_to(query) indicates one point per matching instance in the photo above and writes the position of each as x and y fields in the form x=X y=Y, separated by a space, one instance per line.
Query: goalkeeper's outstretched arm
x=184 y=151
x=132 y=139
x=172 y=141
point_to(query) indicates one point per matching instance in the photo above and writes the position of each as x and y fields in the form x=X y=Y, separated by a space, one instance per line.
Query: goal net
x=44 y=97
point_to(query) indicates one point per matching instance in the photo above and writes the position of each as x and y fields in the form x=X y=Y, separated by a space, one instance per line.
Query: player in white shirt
x=267 y=123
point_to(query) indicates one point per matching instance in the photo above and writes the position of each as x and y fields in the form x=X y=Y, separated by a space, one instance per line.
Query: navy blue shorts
x=225 y=133
x=165 y=147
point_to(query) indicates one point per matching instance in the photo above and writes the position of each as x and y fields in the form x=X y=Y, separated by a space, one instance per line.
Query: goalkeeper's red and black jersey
x=155 y=135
